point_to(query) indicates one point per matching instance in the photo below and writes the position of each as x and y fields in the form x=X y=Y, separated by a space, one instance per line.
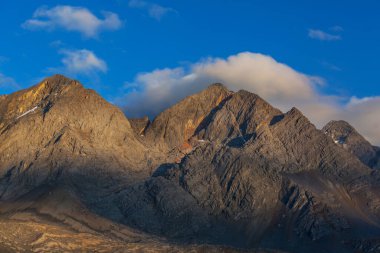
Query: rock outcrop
x=140 y=125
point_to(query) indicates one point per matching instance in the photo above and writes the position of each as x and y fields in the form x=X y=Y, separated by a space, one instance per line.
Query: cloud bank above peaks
x=282 y=86
x=254 y=72
x=71 y=18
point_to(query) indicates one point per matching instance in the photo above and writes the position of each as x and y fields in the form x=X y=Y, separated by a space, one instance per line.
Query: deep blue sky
x=196 y=29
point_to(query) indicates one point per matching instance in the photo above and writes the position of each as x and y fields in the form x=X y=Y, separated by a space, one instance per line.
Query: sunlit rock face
x=218 y=168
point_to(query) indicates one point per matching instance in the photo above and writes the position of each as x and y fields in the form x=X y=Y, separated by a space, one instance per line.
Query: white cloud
x=253 y=72
x=80 y=62
x=321 y=35
x=154 y=10
x=279 y=84
x=70 y=18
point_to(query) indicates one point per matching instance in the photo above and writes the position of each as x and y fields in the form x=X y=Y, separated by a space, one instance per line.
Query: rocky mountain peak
x=173 y=127
x=295 y=111
x=37 y=97
x=59 y=121
x=241 y=115
x=339 y=127
x=215 y=87
x=346 y=136
x=53 y=85
x=296 y=115
x=59 y=80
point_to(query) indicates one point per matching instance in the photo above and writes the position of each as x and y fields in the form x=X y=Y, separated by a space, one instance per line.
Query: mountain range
x=220 y=171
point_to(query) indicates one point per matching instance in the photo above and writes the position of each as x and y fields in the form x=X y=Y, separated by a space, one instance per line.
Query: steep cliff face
x=140 y=125
x=217 y=168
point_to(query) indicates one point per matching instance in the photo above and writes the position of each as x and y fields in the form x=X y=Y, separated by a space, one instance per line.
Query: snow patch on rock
x=27 y=112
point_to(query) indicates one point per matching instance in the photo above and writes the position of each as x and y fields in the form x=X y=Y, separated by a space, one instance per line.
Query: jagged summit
x=59 y=79
x=341 y=126
x=216 y=86
x=346 y=136
x=174 y=126
x=54 y=83
x=37 y=96
x=295 y=111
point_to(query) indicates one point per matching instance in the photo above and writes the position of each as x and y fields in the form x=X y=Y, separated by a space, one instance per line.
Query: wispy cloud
x=57 y=43
x=71 y=18
x=154 y=10
x=336 y=28
x=281 y=85
x=322 y=35
x=7 y=84
x=330 y=66
x=80 y=62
